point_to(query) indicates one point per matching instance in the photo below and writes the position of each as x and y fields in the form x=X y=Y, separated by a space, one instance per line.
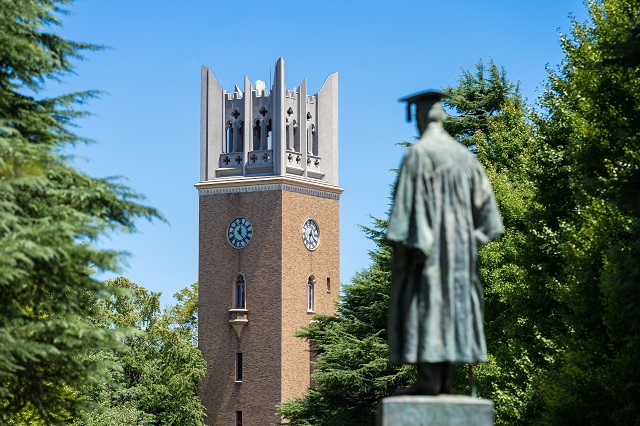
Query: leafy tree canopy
x=155 y=381
x=589 y=143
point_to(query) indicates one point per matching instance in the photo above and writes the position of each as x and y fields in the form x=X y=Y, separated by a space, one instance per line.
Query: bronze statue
x=443 y=210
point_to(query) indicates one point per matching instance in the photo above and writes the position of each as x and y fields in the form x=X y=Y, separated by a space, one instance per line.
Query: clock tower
x=269 y=240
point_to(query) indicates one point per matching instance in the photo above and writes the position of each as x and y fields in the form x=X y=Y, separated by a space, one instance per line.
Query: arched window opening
x=256 y=135
x=288 y=136
x=229 y=138
x=240 y=138
x=296 y=137
x=240 y=293
x=310 y=293
x=314 y=140
x=269 y=135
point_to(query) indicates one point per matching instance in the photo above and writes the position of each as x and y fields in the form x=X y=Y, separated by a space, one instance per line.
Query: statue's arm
x=410 y=221
x=486 y=214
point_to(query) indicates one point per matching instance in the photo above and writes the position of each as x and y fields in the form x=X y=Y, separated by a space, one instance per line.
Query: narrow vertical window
x=310 y=285
x=269 y=135
x=239 y=367
x=314 y=140
x=288 y=136
x=328 y=285
x=240 y=138
x=238 y=418
x=256 y=135
x=229 y=137
x=240 y=293
x=296 y=137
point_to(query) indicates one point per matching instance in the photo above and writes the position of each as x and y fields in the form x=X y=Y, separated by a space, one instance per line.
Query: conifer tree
x=51 y=216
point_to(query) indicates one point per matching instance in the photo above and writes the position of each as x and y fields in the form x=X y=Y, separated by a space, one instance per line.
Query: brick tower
x=269 y=240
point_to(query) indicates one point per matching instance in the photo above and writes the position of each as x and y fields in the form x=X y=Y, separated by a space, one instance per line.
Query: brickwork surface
x=276 y=266
x=260 y=263
x=298 y=264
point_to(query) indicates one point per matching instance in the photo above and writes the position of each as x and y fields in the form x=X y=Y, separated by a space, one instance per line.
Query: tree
x=589 y=141
x=51 y=216
x=185 y=313
x=478 y=99
x=157 y=374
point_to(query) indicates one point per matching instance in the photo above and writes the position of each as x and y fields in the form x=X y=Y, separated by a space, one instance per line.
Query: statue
x=443 y=210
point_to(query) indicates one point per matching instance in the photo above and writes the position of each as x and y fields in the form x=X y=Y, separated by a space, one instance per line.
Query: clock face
x=310 y=234
x=240 y=232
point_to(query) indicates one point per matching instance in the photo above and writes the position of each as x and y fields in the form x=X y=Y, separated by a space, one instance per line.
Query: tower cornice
x=269 y=183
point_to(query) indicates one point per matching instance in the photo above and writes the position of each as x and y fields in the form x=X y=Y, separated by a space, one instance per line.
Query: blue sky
x=146 y=126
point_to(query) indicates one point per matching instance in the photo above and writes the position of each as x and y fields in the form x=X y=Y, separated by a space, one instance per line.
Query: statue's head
x=428 y=108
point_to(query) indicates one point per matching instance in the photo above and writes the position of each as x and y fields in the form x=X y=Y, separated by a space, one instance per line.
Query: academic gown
x=443 y=210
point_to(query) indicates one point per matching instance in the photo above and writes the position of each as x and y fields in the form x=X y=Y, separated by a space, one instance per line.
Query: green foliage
x=589 y=141
x=477 y=99
x=157 y=374
x=185 y=312
x=51 y=216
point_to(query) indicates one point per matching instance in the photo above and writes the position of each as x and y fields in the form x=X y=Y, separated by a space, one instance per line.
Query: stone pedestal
x=440 y=410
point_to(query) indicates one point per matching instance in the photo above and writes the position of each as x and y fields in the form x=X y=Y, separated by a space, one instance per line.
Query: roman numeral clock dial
x=239 y=233
x=310 y=234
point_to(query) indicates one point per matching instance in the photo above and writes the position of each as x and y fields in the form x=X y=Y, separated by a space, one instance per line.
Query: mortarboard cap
x=431 y=95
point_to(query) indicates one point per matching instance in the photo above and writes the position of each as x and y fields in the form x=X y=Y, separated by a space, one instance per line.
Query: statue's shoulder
x=461 y=152
x=413 y=157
